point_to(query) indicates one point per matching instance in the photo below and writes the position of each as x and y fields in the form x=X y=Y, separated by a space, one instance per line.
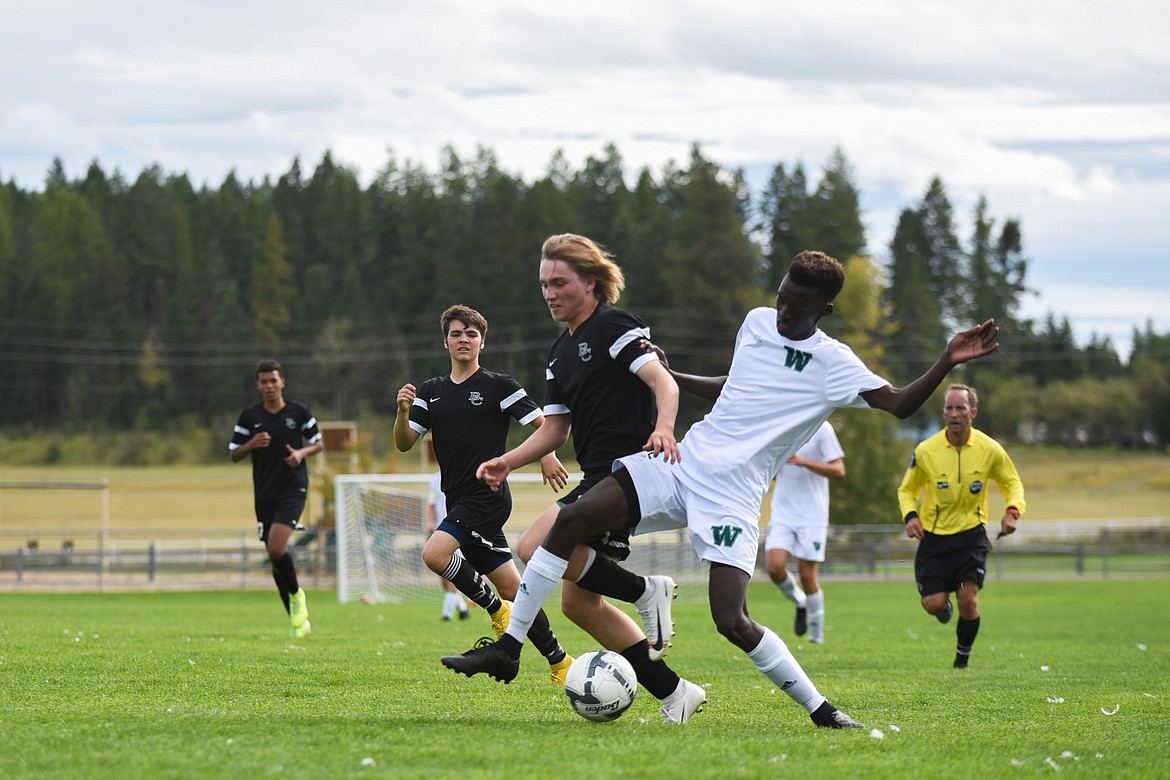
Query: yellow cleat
x=500 y=618
x=298 y=609
x=303 y=631
x=558 y=671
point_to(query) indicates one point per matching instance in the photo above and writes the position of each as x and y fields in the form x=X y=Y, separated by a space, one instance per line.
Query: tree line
x=130 y=305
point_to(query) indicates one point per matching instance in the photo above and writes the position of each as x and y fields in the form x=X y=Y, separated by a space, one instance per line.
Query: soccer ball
x=601 y=685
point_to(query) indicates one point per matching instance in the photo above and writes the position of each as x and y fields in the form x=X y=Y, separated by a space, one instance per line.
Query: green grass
x=209 y=685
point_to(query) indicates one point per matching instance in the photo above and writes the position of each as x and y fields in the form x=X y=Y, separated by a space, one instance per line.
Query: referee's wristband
x=909 y=516
x=1015 y=513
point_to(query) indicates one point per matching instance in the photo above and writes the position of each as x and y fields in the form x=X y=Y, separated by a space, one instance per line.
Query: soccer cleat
x=464 y=614
x=801 y=623
x=500 y=618
x=654 y=607
x=944 y=617
x=686 y=700
x=488 y=657
x=558 y=671
x=829 y=717
x=302 y=631
x=298 y=609
x=961 y=660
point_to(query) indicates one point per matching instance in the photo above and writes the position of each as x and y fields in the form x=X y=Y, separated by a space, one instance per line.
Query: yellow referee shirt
x=955 y=482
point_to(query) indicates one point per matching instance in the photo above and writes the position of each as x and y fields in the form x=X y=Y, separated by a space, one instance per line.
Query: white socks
x=773 y=658
x=543 y=573
x=792 y=591
x=816 y=617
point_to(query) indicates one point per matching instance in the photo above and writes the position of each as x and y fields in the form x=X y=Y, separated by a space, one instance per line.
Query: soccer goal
x=382 y=527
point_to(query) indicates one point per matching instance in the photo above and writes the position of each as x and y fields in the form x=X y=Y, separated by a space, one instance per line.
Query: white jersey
x=778 y=392
x=801 y=496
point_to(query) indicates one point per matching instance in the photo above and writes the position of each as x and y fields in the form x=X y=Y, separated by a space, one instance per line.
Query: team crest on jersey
x=476 y=398
x=976 y=486
x=584 y=352
x=290 y=423
x=943 y=484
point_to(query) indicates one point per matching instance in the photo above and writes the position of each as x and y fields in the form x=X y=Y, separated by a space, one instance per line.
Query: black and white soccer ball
x=601 y=685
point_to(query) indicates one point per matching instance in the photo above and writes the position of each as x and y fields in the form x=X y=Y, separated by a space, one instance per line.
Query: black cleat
x=801 y=624
x=944 y=617
x=489 y=657
x=829 y=717
x=961 y=660
x=465 y=614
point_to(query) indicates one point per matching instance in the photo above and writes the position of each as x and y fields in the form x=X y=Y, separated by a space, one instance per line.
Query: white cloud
x=1061 y=119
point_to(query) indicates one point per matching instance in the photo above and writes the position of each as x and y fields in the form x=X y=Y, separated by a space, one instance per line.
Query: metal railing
x=113 y=559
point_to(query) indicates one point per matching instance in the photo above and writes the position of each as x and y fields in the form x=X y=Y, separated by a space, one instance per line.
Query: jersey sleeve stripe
x=639 y=362
x=530 y=417
x=513 y=398
x=420 y=402
x=552 y=409
x=242 y=430
x=421 y=430
x=626 y=339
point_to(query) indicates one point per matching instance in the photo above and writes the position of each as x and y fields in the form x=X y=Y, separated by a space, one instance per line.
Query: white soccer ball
x=601 y=685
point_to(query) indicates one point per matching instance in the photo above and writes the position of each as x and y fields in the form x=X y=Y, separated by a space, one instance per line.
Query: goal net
x=382 y=527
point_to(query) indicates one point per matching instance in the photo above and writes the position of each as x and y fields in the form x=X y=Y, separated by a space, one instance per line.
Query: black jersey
x=592 y=376
x=469 y=422
x=293 y=425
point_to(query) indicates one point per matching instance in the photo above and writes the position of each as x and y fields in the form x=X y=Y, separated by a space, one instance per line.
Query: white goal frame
x=380 y=539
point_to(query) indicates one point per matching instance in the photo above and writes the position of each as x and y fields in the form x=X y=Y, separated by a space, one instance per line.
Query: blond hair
x=590 y=261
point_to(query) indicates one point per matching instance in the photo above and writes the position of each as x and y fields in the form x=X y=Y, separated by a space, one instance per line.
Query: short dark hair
x=819 y=271
x=972 y=396
x=266 y=365
x=465 y=314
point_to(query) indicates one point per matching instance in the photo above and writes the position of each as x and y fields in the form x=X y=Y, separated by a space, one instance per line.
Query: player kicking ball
x=786 y=377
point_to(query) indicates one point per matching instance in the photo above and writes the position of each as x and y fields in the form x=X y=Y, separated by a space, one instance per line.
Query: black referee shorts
x=944 y=562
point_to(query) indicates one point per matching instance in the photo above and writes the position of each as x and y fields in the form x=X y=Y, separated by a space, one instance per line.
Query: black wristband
x=909 y=516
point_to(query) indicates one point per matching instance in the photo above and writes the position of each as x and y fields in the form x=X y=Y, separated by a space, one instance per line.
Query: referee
x=943 y=500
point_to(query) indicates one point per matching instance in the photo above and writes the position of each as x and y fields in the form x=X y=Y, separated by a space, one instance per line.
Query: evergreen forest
x=135 y=305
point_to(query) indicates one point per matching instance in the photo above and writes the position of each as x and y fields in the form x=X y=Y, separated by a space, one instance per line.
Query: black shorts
x=612 y=544
x=944 y=562
x=282 y=510
x=479 y=527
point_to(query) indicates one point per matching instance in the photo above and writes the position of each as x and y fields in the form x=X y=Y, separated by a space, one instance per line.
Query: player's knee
x=436 y=560
x=734 y=627
x=527 y=547
x=572 y=527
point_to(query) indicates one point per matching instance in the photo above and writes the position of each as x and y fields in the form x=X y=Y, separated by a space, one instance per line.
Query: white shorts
x=718 y=534
x=806 y=542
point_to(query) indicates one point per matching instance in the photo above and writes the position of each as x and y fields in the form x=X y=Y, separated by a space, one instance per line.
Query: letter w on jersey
x=796 y=360
x=725 y=535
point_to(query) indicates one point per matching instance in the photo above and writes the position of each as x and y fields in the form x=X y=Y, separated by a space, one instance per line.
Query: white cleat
x=654 y=607
x=686 y=700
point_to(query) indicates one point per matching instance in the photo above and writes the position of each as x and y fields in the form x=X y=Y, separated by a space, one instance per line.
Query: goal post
x=382 y=528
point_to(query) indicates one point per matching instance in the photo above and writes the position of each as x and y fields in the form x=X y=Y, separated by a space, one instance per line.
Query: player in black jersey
x=279 y=435
x=603 y=387
x=468 y=413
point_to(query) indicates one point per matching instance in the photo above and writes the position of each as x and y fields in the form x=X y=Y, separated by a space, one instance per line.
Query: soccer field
x=1067 y=678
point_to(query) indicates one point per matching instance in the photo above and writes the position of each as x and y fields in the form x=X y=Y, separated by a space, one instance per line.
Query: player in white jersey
x=799 y=526
x=786 y=377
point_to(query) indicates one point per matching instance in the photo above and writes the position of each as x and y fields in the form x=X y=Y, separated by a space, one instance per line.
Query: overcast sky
x=1059 y=113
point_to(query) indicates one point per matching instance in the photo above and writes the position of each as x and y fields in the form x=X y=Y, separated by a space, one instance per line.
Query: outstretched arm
x=552 y=433
x=968 y=345
x=707 y=387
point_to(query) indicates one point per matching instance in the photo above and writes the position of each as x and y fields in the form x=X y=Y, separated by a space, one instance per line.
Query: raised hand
x=974 y=343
